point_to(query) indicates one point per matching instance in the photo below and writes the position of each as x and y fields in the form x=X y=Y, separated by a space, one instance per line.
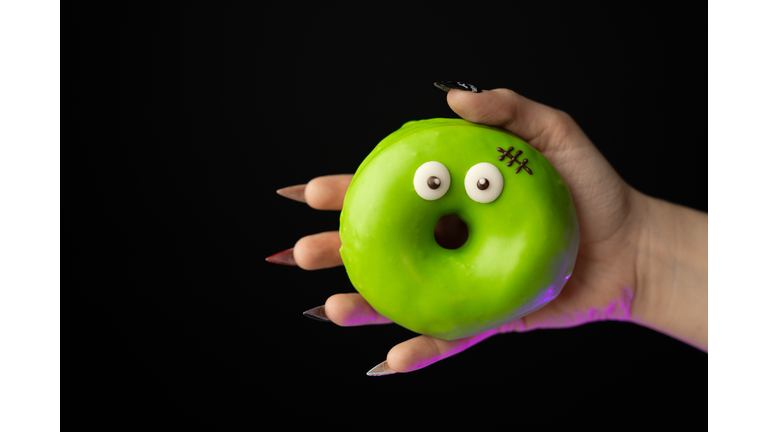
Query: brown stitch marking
x=514 y=159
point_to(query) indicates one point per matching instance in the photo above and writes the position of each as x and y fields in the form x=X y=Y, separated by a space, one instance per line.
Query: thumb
x=535 y=123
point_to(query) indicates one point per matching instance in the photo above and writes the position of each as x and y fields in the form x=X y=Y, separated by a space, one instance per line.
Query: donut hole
x=451 y=232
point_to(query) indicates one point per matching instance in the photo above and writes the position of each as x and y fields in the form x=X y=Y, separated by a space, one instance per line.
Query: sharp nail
x=381 y=369
x=448 y=85
x=295 y=193
x=285 y=258
x=317 y=313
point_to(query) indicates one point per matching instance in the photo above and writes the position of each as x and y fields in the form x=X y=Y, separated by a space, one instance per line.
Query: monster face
x=523 y=233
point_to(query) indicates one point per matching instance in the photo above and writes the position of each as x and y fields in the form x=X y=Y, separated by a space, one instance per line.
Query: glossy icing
x=521 y=247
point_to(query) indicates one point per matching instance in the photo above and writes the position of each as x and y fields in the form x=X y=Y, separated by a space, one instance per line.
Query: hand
x=640 y=259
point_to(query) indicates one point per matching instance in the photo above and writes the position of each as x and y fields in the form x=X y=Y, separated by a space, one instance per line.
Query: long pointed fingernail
x=317 y=313
x=381 y=369
x=295 y=193
x=447 y=85
x=285 y=258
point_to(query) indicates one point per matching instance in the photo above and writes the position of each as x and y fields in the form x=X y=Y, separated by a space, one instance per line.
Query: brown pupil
x=483 y=184
x=433 y=182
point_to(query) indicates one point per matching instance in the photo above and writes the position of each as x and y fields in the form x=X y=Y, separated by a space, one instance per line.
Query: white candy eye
x=432 y=180
x=483 y=182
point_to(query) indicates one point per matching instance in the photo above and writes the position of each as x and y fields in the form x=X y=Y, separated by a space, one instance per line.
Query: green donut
x=521 y=247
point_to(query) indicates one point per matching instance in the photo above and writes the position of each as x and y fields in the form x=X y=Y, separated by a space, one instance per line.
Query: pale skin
x=641 y=259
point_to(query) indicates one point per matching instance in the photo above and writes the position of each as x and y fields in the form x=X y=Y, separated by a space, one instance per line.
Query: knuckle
x=433 y=349
x=561 y=125
x=484 y=112
x=563 y=117
x=506 y=92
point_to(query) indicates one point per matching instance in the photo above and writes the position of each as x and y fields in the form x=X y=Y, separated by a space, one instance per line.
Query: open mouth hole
x=451 y=232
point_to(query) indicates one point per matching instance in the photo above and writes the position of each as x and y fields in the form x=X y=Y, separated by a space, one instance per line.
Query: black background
x=222 y=106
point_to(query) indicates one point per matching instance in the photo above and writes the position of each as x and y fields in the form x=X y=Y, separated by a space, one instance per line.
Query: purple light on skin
x=446 y=349
x=364 y=315
x=616 y=310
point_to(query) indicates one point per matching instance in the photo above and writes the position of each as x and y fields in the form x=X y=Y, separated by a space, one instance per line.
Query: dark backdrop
x=222 y=106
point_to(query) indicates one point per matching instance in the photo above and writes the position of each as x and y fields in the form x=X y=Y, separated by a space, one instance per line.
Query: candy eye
x=483 y=182
x=432 y=180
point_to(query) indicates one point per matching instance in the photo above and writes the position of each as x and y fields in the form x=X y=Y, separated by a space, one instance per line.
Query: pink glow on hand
x=616 y=310
x=449 y=348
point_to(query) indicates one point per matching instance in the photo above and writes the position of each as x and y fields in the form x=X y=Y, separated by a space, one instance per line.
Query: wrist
x=672 y=270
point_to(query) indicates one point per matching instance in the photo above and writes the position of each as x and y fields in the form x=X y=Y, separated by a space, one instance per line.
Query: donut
x=522 y=232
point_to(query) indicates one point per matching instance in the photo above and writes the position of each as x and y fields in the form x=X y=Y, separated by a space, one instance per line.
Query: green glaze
x=521 y=247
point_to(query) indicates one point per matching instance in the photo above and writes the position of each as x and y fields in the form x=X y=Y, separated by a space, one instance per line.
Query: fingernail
x=295 y=193
x=447 y=85
x=285 y=258
x=317 y=313
x=381 y=369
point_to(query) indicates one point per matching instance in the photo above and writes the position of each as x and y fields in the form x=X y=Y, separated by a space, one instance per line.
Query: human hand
x=618 y=250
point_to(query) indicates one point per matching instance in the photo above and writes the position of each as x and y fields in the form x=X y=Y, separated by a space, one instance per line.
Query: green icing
x=521 y=247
